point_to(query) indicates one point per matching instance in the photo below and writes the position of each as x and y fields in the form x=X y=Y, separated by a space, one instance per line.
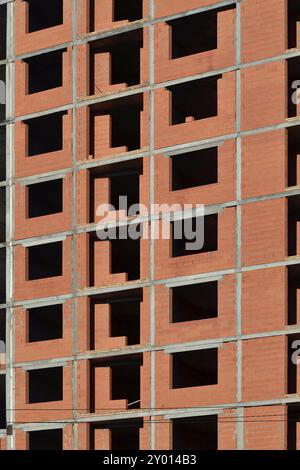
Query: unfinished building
x=124 y=343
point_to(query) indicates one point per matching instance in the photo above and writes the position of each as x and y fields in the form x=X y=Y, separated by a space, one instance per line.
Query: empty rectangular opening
x=293 y=23
x=45 y=385
x=195 y=368
x=293 y=154
x=186 y=232
x=124 y=66
x=293 y=417
x=45 y=71
x=195 y=302
x=2 y=153
x=124 y=434
x=44 y=15
x=3 y=23
x=194 y=100
x=44 y=260
x=293 y=220
x=291 y=367
x=195 y=433
x=293 y=78
x=45 y=198
x=45 y=323
x=2 y=214
x=293 y=286
x=2 y=92
x=50 y=439
x=124 y=181
x=45 y=134
x=131 y=10
x=195 y=169
x=3 y=275
x=125 y=380
x=124 y=315
x=2 y=401
x=2 y=330
x=194 y=34
x=125 y=122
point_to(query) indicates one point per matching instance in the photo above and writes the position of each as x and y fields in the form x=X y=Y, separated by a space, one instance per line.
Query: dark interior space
x=45 y=323
x=195 y=368
x=195 y=169
x=293 y=286
x=184 y=230
x=2 y=92
x=3 y=21
x=2 y=401
x=44 y=15
x=131 y=10
x=2 y=330
x=44 y=260
x=45 y=134
x=125 y=116
x=124 y=434
x=50 y=439
x=293 y=347
x=45 y=385
x=3 y=275
x=293 y=152
x=293 y=218
x=2 y=153
x=195 y=302
x=293 y=19
x=45 y=198
x=193 y=34
x=2 y=215
x=45 y=71
x=293 y=416
x=125 y=379
x=124 y=181
x=293 y=77
x=195 y=433
x=124 y=315
x=125 y=58
x=196 y=99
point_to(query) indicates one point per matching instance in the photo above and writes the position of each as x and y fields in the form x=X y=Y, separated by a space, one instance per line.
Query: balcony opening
x=195 y=433
x=3 y=275
x=124 y=124
x=2 y=214
x=293 y=346
x=185 y=99
x=121 y=53
x=45 y=385
x=195 y=302
x=124 y=310
x=124 y=434
x=45 y=198
x=195 y=368
x=293 y=86
x=44 y=15
x=2 y=330
x=45 y=323
x=293 y=222
x=124 y=254
x=3 y=26
x=293 y=287
x=193 y=34
x=293 y=155
x=45 y=71
x=125 y=379
x=131 y=10
x=50 y=439
x=45 y=134
x=195 y=169
x=44 y=260
x=190 y=237
x=293 y=24
x=124 y=180
x=293 y=416
x=2 y=401
x=2 y=92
